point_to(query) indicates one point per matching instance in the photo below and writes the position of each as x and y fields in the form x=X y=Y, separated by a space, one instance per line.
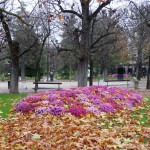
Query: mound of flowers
x=49 y=121
x=79 y=101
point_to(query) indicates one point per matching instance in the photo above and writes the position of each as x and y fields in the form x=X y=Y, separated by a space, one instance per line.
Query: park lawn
x=7 y=101
x=143 y=114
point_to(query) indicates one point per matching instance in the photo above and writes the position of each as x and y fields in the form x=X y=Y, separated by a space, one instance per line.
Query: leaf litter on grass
x=122 y=129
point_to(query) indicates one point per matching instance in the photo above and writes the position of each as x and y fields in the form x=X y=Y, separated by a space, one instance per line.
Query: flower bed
x=79 y=101
x=49 y=121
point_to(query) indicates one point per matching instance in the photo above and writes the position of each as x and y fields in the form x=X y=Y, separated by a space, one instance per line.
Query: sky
x=114 y=4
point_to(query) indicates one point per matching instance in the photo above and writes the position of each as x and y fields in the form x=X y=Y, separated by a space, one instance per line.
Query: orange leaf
x=141 y=139
x=60 y=17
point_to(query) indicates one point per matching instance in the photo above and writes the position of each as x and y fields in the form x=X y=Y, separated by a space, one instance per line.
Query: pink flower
x=77 y=111
x=106 y=108
x=56 y=110
x=52 y=97
x=93 y=110
x=24 y=107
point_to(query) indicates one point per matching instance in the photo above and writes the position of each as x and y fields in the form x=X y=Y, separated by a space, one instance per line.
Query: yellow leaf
x=60 y=17
x=112 y=146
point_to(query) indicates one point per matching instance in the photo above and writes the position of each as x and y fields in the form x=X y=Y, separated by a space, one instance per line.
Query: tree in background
x=41 y=28
x=82 y=34
x=104 y=35
x=137 y=32
x=13 y=45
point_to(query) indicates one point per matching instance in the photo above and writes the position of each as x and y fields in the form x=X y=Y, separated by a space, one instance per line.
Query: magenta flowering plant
x=52 y=97
x=82 y=97
x=45 y=102
x=56 y=110
x=57 y=103
x=106 y=108
x=32 y=99
x=96 y=101
x=77 y=111
x=93 y=109
x=79 y=101
x=114 y=75
x=24 y=107
x=41 y=110
x=125 y=75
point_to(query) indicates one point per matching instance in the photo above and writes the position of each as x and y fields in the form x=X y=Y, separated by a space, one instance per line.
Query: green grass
x=7 y=101
x=142 y=115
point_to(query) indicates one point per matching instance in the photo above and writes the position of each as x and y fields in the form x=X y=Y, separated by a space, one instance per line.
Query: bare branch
x=60 y=49
x=28 y=49
x=147 y=21
x=13 y=14
x=103 y=44
x=99 y=9
x=98 y=39
x=68 y=11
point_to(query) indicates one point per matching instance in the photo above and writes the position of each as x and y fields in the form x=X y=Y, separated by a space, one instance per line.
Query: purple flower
x=41 y=110
x=24 y=107
x=96 y=101
x=106 y=108
x=86 y=103
x=82 y=97
x=93 y=110
x=119 y=96
x=56 y=103
x=138 y=98
x=128 y=105
x=80 y=100
x=45 y=102
x=56 y=110
x=32 y=99
x=92 y=96
x=111 y=101
x=52 y=97
x=75 y=104
x=77 y=111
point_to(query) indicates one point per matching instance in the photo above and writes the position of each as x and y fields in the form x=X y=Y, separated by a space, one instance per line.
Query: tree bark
x=22 y=69
x=14 y=73
x=82 y=72
x=148 y=76
x=139 y=63
x=91 y=73
x=84 y=49
x=14 y=53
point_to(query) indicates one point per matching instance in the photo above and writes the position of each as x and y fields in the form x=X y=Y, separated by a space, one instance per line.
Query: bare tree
x=82 y=33
x=138 y=26
x=14 y=48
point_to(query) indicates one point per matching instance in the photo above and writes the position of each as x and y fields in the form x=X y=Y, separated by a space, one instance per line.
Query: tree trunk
x=139 y=64
x=138 y=71
x=91 y=73
x=14 y=74
x=148 y=76
x=84 y=48
x=22 y=69
x=37 y=75
x=82 y=72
